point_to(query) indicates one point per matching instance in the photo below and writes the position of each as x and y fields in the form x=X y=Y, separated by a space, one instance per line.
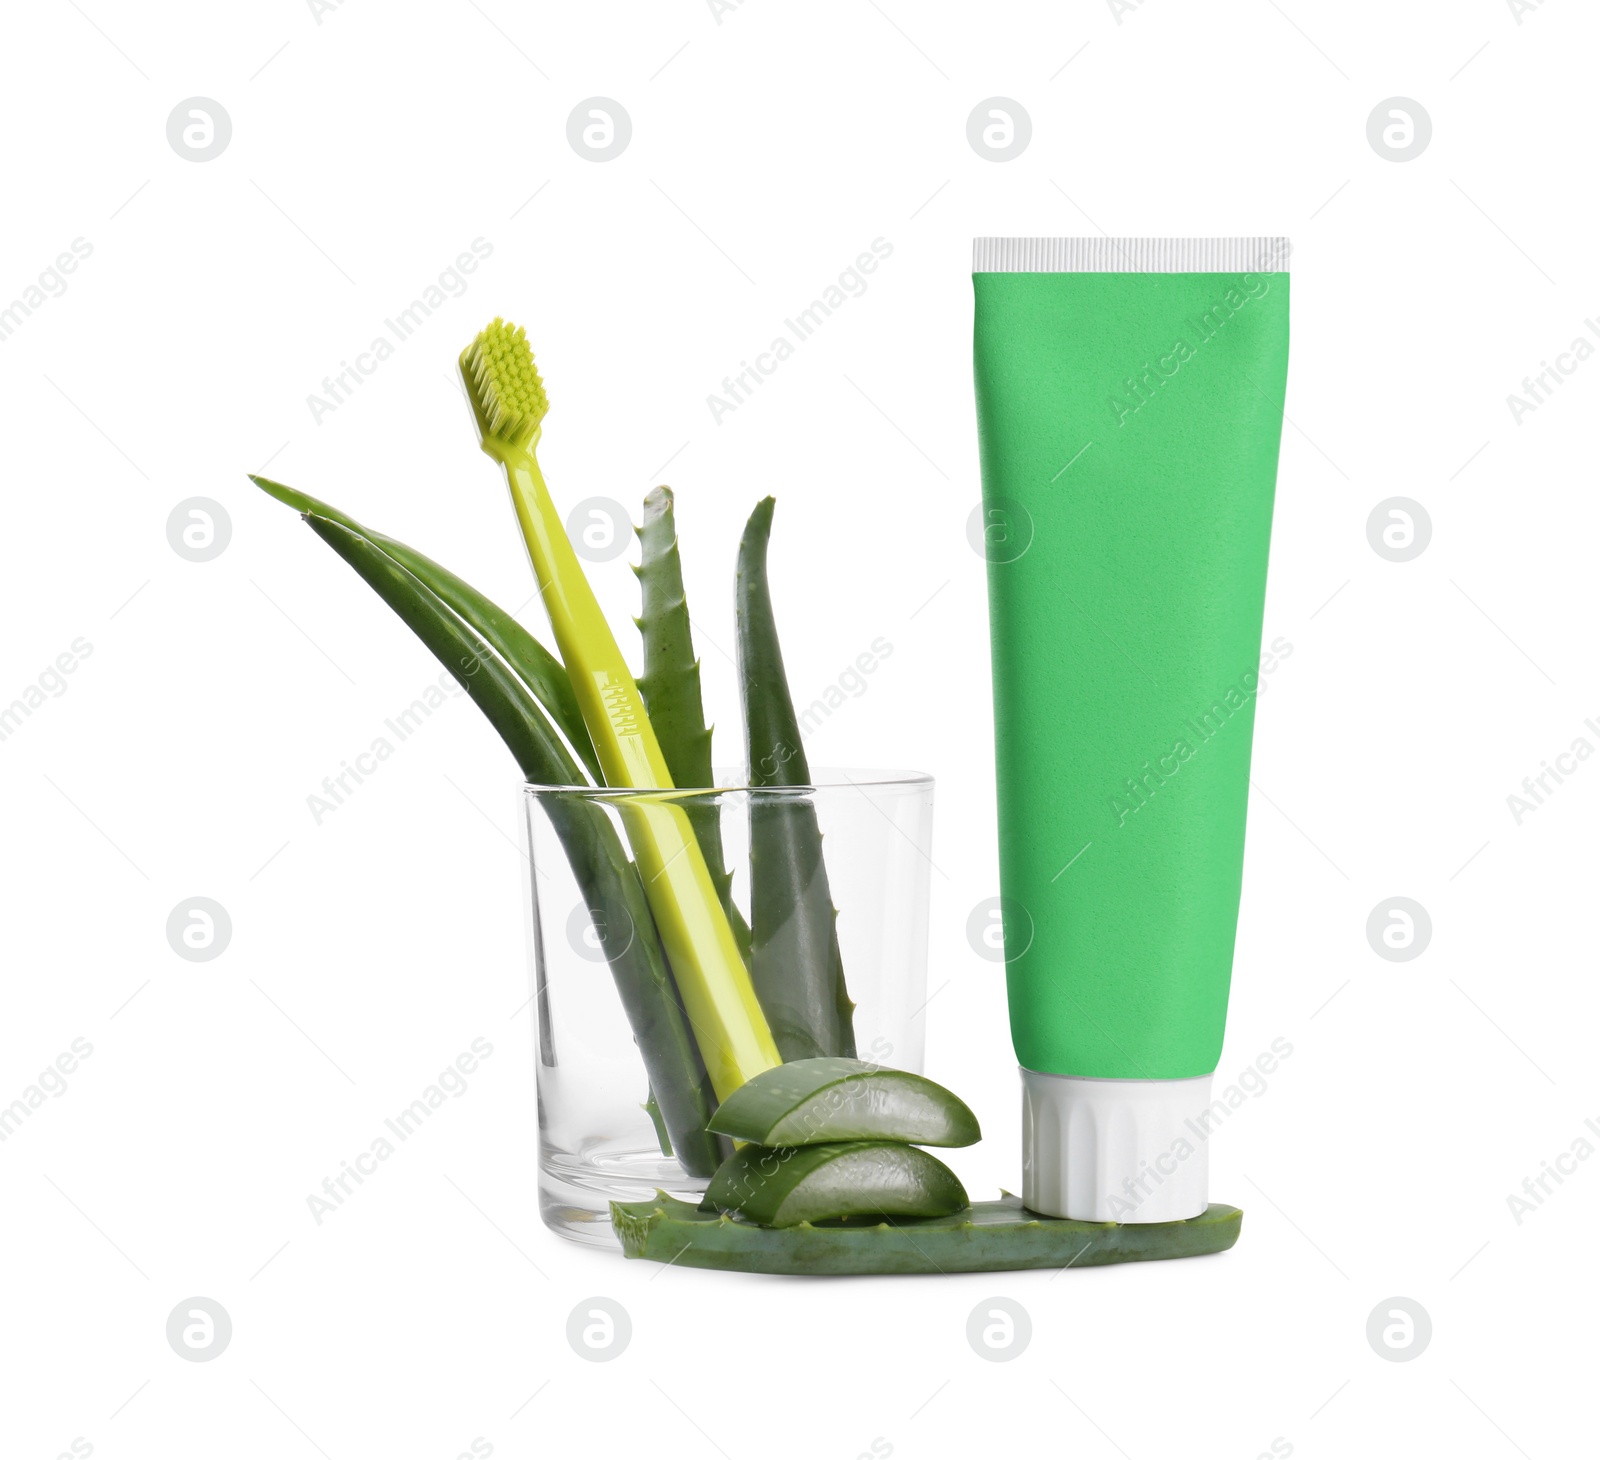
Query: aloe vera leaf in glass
x=670 y=685
x=794 y=941
x=652 y=1108
x=599 y=863
x=988 y=1236
x=535 y=665
x=784 y=1186
x=805 y=1102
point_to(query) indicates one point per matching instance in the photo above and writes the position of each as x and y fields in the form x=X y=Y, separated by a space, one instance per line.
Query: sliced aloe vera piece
x=805 y=1102
x=989 y=1236
x=782 y=1187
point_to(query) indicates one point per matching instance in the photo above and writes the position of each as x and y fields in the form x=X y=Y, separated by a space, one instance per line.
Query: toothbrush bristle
x=498 y=369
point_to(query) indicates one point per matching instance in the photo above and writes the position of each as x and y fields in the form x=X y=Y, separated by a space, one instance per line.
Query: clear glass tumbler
x=598 y=1138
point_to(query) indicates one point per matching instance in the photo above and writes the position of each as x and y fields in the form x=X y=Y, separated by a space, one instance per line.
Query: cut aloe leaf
x=989 y=1236
x=600 y=866
x=535 y=665
x=794 y=944
x=810 y=1101
x=652 y=1108
x=490 y=684
x=671 y=678
x=670 y=685
x=782 y=1187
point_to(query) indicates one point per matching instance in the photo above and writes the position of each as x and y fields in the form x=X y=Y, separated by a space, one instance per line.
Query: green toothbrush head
x=503 y=384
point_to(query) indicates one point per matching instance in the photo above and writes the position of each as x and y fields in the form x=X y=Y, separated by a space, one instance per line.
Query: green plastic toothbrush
x=509 y=402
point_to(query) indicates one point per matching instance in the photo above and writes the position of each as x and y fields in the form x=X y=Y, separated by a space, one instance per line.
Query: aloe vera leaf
x=609 y=881
x=535 y=665
x=670 y=685
x=784 y=1186
x=794 y=941
x=806 y=1102
x=671 y=678
x=616 y=899
x=988 y=1236
x=652 y=1108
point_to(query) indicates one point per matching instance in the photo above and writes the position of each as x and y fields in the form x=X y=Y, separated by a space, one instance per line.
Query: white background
x=769 y=148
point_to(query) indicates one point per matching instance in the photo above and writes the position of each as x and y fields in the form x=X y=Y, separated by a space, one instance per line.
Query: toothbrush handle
x=718 y=996
x=624 y=740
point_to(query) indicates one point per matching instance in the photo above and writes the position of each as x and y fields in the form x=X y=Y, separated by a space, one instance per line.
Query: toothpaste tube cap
x=1115 y=1150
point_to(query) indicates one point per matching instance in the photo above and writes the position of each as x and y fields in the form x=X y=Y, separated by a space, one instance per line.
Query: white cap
x=1115 y=1150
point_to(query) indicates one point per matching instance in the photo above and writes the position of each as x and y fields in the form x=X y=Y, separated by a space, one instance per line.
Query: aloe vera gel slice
x=783 y=1187
x=806 y=1102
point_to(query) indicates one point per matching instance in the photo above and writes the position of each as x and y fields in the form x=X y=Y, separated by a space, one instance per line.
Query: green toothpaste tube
x=1130 y=401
